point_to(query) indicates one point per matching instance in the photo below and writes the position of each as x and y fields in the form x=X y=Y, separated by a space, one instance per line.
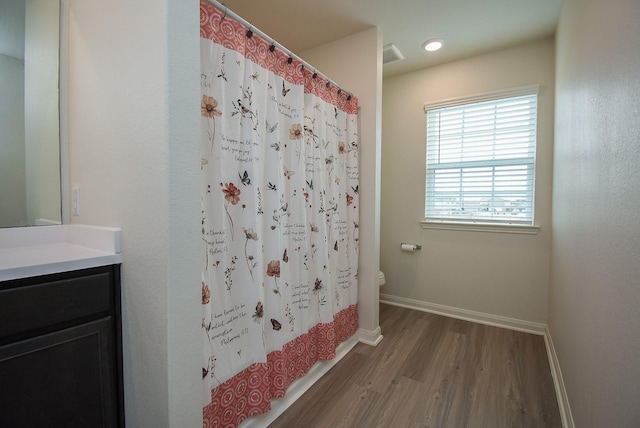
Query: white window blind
x=481 y=158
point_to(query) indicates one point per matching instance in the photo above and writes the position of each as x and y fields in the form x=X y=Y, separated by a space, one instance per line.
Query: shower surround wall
x=280 y=226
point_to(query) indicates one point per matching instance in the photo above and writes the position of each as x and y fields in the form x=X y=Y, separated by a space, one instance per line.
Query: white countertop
x=43 y=250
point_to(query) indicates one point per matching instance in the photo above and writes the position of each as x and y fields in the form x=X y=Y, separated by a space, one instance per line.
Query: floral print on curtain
x=280 y=200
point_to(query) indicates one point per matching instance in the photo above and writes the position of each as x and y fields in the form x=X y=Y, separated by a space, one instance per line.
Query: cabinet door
x=62 y=379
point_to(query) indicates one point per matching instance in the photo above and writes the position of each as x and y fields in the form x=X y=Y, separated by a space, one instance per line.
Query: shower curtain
x=280 y=202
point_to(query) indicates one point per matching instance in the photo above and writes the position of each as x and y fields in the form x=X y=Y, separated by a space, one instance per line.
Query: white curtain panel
x=280 y=199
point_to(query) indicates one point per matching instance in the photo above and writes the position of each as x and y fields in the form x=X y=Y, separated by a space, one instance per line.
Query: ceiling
x=468 y=27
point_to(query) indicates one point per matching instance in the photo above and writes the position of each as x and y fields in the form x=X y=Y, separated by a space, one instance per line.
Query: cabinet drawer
x=31 y=306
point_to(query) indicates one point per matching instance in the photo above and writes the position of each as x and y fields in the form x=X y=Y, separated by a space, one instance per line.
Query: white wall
x=41 y=120
x=594 y=302
x=492 y=273
x=13 y=204
x=356 y=63
x=133 y=143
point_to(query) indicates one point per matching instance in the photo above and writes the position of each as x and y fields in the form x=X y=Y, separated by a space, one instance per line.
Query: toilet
x=381 y=278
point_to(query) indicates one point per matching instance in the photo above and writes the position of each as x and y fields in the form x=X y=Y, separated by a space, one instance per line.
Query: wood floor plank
x=487 y=399
x=355 y=403
x=437 y=372
x=305 y=413
x=444 y=396
x=428 y=340
x=391 y=407
x=386 y=365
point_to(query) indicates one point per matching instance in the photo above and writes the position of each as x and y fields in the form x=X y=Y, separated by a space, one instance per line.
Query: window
x=481 y=158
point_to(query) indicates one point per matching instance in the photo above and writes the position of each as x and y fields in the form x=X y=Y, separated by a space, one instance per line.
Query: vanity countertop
x=43 y=250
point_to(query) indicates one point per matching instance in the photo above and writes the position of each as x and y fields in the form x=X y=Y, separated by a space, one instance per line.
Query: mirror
x=29 y=113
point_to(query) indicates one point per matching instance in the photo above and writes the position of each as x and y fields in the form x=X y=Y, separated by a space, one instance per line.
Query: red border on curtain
x=249 y=392
x=233 y=35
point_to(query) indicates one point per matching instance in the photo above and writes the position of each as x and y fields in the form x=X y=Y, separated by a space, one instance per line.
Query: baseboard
x=465 y=314
x=299 y=387
x=558 y=382
x=368 y=337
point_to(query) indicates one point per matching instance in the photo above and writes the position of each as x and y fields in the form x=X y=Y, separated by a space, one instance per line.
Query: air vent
x=390 y=53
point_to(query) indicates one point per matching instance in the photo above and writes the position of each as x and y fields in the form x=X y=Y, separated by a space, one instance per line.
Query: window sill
x=481 y=227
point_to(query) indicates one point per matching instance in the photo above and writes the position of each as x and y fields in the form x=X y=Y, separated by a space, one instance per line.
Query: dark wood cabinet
x=61 y=350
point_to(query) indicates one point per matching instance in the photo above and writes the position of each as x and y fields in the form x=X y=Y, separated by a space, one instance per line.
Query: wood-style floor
x=433 y=371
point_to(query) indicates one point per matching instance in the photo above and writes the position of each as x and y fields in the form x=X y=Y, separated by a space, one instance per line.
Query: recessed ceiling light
x=433 y=45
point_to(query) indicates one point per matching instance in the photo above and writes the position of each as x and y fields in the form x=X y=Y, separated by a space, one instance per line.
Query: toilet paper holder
x=405 y=246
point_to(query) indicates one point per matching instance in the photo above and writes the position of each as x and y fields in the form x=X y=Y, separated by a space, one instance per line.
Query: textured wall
x=594 y=302
x=134 y=127
x=493 y=273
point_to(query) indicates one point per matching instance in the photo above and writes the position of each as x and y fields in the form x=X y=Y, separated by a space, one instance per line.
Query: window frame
x=485 y=225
